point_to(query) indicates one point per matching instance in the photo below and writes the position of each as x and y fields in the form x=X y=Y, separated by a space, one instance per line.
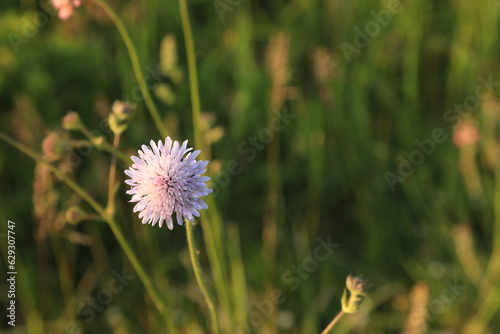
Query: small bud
x=116 y=125
x=354 y=294
x=52 y=146
x=97 y=141
x=122 y=109
x=72 y=122
x=74 y=215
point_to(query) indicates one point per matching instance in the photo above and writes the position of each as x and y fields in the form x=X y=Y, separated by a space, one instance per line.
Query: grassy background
x=322 y=176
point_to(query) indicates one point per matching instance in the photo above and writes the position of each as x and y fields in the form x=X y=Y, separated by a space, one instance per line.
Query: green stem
x=199 y=276
x=490 y=289
x=105 y=146
x=153 y=293
x=213 y=229
x=333 y=322
x=110 y=209
x=83 y=194
x=145 y=278
x=134 y=59
x=193 y=75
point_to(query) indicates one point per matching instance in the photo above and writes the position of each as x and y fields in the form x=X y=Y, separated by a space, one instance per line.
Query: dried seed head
x=52 y=146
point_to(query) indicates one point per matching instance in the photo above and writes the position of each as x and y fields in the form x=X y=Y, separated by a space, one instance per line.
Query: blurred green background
x=354 y=86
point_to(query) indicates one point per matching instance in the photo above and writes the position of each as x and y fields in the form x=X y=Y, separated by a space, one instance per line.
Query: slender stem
x=134 y=59
x=104 y=146
x=110 y=210
x=77 y=189
x=153 y=293
x=199 y=276
x=212 y=230
x=193 y=75
x=145 y=278
x=333 y=322
x=489 y=296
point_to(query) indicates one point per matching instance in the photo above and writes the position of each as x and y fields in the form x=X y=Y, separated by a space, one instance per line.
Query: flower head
x=65 y=7
x=165 y=178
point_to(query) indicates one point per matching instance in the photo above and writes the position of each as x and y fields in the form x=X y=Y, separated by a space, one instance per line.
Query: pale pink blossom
x=66 y=7
x=166 y=179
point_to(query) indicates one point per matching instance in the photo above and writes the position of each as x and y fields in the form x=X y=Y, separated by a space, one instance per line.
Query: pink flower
x=65 y=7
x=165 y=179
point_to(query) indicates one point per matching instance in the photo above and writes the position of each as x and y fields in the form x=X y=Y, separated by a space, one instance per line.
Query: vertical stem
x=193 y=75
x=153 y=293
x=489 y=290
x=134 y=59
x=333 y=322
x=110 y=210
x=148 y=284
x=199 y=278
x=213 y=230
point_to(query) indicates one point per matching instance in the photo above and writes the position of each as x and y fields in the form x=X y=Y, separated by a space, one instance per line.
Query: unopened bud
x=72 y=122
x=97 y=141
x=354 y=294
x=122 y=109
x=74 y=215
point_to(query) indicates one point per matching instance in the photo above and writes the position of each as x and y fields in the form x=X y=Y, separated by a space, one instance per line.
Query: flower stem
x=193 y=75
x=199 y=276
x=104 y=146
x=145 y=278
x=489 y=296
x=134 y=59
x=110 y=209
x=333 y=322
x=153 y=293
x=212 y=231
x=83 y=194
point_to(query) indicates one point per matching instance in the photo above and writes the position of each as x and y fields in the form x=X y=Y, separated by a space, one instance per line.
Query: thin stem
x=193 y=75
x=104 y=146
x=145 y=278
x=110 y=210
x=77 y=189
x=212 y=231
x=199 y=276
x=134 y=59
x=333 y=322
x=489 y=289
x=153 y=293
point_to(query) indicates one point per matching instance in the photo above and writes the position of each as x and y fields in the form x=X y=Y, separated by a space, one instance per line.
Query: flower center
x=163 y=182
